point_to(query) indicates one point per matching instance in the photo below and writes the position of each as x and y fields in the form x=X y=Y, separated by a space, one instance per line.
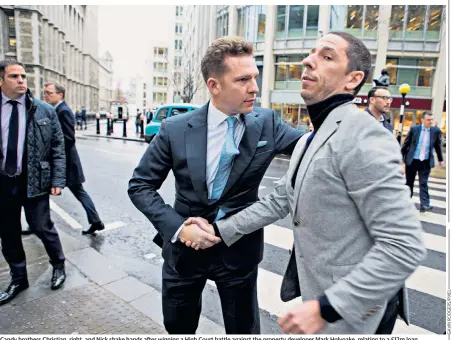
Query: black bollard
x=108 y=127
x=124 y=127
x=97 y=125
x=142 y=128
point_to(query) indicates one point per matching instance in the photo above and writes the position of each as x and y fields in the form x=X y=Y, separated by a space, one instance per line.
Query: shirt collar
x=215 y=117
x=21 y=99
x=424 y=128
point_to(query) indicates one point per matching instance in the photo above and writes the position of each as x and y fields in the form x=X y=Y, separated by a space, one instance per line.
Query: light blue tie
x=228 y=153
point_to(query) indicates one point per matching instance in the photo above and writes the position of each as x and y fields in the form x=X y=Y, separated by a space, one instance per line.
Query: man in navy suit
x=417 y=151
x=219 y=154
x=54 y=95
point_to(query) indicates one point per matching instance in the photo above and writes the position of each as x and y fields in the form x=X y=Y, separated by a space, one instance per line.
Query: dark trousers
x=390 y=316
x=423 y=169
x=87 y=203
x=83 y=121
x=181 y=298
x=37 y=212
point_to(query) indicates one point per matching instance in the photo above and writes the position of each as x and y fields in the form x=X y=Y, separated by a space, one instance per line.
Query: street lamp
x=404 y=89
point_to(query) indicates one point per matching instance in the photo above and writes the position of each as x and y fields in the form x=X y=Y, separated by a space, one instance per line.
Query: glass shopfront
x=295 y=115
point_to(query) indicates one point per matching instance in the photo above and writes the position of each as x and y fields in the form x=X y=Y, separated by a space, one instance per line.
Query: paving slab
x=95 y=266
x=128 y=288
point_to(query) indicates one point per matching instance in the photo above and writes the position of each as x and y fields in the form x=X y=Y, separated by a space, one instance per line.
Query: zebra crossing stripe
x=432 y=218
x=433 y=185
x=283 y=238
x=432 y=192
x=433 y=203
x=429 y=281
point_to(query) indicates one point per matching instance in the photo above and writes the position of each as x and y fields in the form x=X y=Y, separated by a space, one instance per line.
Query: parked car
x=163 y=112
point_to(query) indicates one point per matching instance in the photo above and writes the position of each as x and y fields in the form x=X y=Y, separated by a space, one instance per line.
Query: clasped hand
x=197 y=233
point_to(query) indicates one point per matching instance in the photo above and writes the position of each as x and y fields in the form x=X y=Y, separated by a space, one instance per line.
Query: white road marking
x=429 y=281
x=64 y=215
x=433 y=185
x=114 y=225
x=432 y=218
x=432 y=192
x=149 y=256
x=433 y=203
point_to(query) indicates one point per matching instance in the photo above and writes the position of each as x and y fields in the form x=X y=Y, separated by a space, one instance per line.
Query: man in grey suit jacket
x=357 y=234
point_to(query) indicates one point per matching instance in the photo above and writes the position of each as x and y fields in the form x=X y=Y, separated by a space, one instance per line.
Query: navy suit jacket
x=412 y=139
x=181 y=146
x=74 y=170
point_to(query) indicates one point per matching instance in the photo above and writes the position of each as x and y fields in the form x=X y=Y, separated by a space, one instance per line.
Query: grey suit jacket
x=357 y=234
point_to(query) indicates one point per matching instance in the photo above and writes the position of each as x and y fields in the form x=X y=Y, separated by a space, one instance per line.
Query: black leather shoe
x=425 y=209
x=14 y=288
x=58 y=277
x=94 y=227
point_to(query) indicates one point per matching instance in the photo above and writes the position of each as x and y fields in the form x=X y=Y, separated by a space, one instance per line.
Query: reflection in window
x=391 y=66
x=371 y=21
x=312 y=21
x=280 y=21
x=396 y=22
x=354 y=16
x=434 y=22
x=281 y=73
x=296 y=16
x=261 y=22
x=241 y=22
x=12 y=44
x=415 y=22
x=295 y=72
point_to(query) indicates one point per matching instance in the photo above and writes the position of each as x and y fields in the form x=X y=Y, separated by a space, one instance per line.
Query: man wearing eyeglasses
x=379 y=99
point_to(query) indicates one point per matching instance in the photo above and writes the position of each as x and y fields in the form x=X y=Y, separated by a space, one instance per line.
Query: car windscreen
x=178 y=110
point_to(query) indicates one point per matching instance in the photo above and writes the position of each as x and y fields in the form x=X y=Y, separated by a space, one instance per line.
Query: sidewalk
x=117 y=131
x=97 y=297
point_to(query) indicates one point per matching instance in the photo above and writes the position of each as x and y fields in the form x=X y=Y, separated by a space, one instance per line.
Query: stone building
x=55 y=43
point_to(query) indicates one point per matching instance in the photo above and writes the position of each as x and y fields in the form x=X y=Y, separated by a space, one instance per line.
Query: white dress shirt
x=217 y=128
x=7 y=109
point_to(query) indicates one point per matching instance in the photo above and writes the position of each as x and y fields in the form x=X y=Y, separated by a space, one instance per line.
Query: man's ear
x=354 y=79
x=213 y=85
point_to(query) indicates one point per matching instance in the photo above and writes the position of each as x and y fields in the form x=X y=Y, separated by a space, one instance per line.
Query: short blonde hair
x=213 y=61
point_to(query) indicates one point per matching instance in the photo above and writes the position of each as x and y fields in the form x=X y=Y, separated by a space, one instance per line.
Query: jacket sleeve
x=147 y=178
x=286 y=137
x=407 y=143
x=57 y=152
x=438 y=148
x=67 y=122
x=368 y=160
x=271 y=208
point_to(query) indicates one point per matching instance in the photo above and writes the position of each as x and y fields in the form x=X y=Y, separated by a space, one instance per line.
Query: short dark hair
x=8 y=62
x=375 y=89
x=58 y=87
x=358 y=55
x=213 y=61
x=426 y=113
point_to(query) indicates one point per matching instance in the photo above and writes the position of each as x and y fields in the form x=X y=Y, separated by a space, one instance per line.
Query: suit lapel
x=247 y=148
x=196 y=151
x=327 y=129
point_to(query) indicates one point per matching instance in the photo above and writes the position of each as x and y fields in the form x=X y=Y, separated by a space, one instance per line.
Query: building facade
x=105 y=81
x=410 y=41
x=162 y=81
x=55 y=43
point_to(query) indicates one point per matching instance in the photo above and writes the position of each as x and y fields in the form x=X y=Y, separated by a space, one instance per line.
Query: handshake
x=198 y=234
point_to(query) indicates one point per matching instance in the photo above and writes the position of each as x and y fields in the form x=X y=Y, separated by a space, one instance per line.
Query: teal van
x=163 y=112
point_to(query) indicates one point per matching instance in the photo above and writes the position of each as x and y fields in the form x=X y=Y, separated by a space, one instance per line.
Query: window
x=360 y=21
x=178 y=110
x=160 y=81
x=12 y=44
x=178 y=44
x=241 y=22
x=262 y=18
x=416 y=72
x=280 y=21
x=178 y=28
x=312 y=21
x=160 y=67
x=288 y=70
x=371 y=21
x=434 y=22
x=296 y=17
x=396 y=22
x=415 y=22
x=11 y=26
x=144 y=86
x=163 y=112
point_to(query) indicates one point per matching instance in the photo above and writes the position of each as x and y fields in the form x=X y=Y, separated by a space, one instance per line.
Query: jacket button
x=296 y=224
